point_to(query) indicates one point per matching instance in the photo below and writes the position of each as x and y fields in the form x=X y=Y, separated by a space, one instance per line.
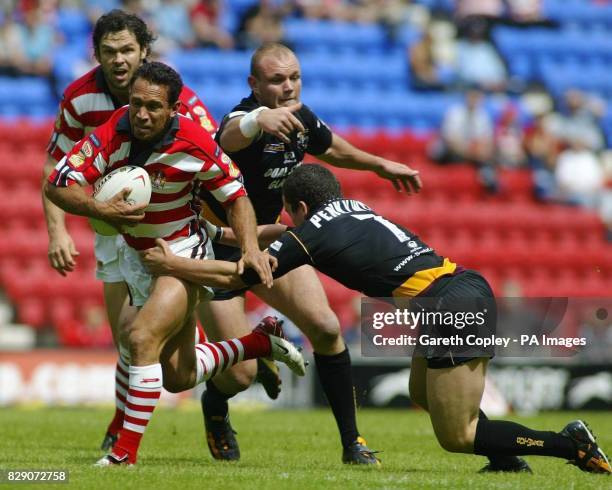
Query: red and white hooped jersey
x=186 y=153
x=88 y=103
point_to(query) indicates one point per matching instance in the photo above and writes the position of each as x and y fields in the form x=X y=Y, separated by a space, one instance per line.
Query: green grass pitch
x=280 y=449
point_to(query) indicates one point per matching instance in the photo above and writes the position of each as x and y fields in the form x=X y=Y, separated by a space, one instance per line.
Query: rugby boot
x=282 y=349
x=589 y=456
x=359 y=453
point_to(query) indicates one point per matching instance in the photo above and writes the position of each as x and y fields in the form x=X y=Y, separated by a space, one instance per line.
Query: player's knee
x=175 y=385
x=141 y=341
x=455 y=441
x=175 y=379
x=324 y=332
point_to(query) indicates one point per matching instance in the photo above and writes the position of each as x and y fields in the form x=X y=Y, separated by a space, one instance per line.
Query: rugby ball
x=106 y=187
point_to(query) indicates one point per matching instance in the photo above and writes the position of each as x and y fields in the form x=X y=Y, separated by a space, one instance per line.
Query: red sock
x=256 y=344
x=215 y=357
x=143 y=394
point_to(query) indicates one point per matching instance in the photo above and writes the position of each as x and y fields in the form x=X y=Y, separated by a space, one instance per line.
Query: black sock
x=337 y=381
x=503 y=438
x=495 y=459
x=214 y=402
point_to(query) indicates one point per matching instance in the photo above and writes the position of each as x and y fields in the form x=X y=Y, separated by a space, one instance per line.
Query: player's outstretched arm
x=116 y=211
x=160 y=261
x=62 y=251
x=240 y=131
x=242 y=220
x=342 y=154
x=266 y=234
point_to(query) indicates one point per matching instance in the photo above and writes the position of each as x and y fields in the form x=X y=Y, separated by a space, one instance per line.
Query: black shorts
x=232 y=254
x=463 y=312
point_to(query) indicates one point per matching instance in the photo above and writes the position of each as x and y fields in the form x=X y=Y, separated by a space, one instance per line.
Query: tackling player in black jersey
x=348 y=241
x=267 y=135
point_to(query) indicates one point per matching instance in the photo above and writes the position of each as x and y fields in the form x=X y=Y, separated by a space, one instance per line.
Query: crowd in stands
x=498 y=107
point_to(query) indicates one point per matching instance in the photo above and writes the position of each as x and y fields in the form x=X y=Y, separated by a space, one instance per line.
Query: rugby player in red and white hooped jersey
x=177 y=151
x=121 y=44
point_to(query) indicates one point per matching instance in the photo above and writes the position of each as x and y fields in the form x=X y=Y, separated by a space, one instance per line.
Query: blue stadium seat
x=307 y=35
x=74 y=25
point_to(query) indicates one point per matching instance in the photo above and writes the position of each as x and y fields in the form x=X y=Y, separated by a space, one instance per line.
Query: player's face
x=120 y=55
x=278 y=82
x=299 y=215
x=150 y=112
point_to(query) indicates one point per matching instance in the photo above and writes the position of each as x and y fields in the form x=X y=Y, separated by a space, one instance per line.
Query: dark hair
x=117 y=20
x=313 y=184
x=160 y=74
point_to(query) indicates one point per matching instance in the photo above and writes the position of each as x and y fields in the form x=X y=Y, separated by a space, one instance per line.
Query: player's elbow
x=49 y=190
x=231 y=142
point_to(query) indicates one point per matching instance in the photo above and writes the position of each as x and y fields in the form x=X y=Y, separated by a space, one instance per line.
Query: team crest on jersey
x=158 y=180
x=76 y=160
x=199 y=110
x=302 y=140
x=233 y=170
x=87 y=149
x=192 y=100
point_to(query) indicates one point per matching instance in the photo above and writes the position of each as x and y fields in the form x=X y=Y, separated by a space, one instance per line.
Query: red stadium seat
x=32 y=312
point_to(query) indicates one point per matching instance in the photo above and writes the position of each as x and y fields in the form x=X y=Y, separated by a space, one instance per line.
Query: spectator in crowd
x=96 y=8
x=606 y=199
x=468 y=10
x=173 y=26
x=579 y=173
x=426 y=72
x=28 y=45
x=525 y=11
x=261 y=24
x=580 y=116
x=542 y=150
x=467 y=136
x=478 y=62
x=205 y=22
x=509 y=139
x=324 y=9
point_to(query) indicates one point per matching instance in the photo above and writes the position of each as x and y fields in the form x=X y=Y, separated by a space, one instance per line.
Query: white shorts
x=139 y=280
x=106 y=250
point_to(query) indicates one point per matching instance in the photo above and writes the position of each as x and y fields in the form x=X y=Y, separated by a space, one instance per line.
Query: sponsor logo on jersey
x=76 y=160
x=199 y=110
x=149 y=380
x=274 y=148
x=94 y=140
x=158 y=180
x=289 y=158
x=87 y=149
x=302 y=140
x=193 y=100
x=276 y=245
